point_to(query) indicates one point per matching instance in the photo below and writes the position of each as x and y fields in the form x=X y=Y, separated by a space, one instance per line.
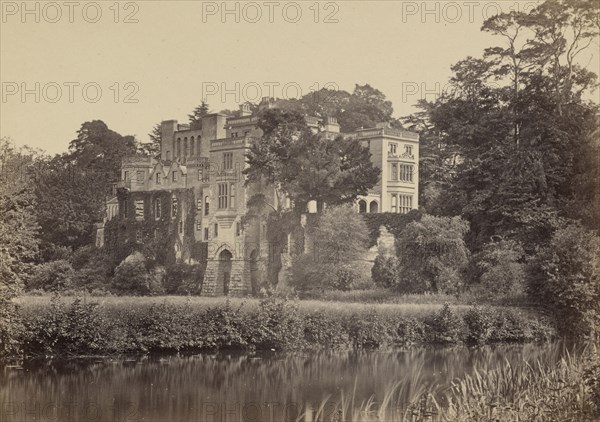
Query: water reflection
x=234 y=387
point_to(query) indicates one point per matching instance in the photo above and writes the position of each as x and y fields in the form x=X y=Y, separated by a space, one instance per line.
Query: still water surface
x=235 y=387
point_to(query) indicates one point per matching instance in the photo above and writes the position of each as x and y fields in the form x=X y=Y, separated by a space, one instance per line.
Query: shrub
x=322 y=330
x=224 y=328
x=92 y=268
x=131 y=277
x=52 y=276
x=480 y=324
x=444 y=327
x=277 y=325
x=11 y=328
x=66 y=330
x=410 y=331
x=565 y=276
x=338 y=249
x=385 y=271
x=79 y=328
x=370 y=330
x=432 y=255
x=183 y=279
x=502 y=273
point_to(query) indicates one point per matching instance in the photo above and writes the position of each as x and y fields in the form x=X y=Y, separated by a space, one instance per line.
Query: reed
x=546 y=390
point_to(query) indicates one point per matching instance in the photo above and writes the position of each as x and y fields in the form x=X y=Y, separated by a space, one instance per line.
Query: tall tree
x=152 y=148
x=306 y=166
x=197 y=115
x=18 y=226
x=71 y=189
x=98 y=149
x=519 y=142
x=363 y=108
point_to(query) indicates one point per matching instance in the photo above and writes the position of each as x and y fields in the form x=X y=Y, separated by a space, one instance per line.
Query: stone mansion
x=193 y=198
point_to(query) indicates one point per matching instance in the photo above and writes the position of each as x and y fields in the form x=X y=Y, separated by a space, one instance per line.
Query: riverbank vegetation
x=103 y=326
x=538 y=391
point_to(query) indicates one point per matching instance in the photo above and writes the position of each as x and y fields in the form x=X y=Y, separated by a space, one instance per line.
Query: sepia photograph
x=300 y=211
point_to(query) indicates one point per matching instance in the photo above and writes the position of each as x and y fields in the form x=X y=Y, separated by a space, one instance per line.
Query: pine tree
x=197 y=115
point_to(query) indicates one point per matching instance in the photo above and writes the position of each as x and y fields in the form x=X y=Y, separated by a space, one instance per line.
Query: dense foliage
x=305 y=167
x=512 y=148
x=81 y=327
x=19 y=237
x=335 y=253
x=566 y=276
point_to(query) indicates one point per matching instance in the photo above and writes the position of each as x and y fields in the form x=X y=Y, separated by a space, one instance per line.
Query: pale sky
x=163 y=61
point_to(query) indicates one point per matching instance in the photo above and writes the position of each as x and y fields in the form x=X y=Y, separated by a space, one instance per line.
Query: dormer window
x=393 y=148
x=174 y=176
x=158 y=178
x=408 y=150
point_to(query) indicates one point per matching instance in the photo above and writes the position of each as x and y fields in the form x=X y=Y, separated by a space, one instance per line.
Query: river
x=238 y=387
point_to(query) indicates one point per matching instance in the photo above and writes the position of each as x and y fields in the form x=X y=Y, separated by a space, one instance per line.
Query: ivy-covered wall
x=156 y=235
x=393 y=222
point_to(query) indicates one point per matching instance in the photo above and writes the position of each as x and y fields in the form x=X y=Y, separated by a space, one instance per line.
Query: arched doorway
x=254 y=272
x=225 y=270
x=373 y=207
x=362 y=206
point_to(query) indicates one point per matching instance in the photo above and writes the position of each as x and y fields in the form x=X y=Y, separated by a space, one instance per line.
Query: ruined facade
x=193 y=200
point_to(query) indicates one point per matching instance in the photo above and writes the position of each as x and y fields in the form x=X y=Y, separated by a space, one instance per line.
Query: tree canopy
x=306 y=166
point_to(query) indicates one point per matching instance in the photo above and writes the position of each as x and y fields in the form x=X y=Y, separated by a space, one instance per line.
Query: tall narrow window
x=140 y=176
x=157 y=208
x=406 y=172
x=205 y=233
x=222 y=199
x=174 y=176
x=198 y=225
x=408 y=150
x=216 y=229
x=405 y=203
x=125 y=175
x=173 y=207
x=204 y=172
x=139 y=210
x=185 y=147
x=394 y=203
x=228 y=161
x=392 y=148
x=158 y=178
x=199 y=205
x=180 y=226
x=206 y=205
x=394 y=171
x=232 y=195
x=178 y=147
x=238 y=229
x=192 y=145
